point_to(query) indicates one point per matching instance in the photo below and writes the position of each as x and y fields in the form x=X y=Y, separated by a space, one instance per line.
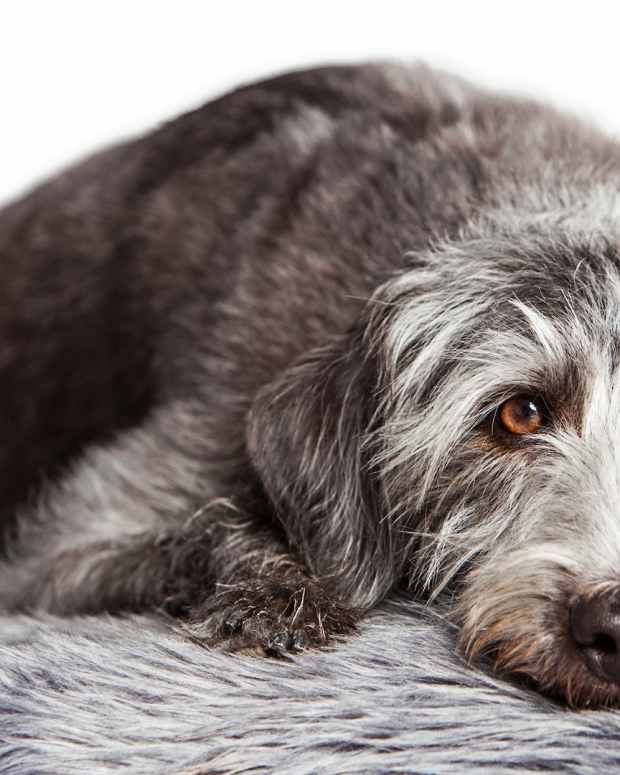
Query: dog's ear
x=310 y=439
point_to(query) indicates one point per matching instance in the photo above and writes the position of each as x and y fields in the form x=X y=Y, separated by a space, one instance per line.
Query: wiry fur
x=256 y=359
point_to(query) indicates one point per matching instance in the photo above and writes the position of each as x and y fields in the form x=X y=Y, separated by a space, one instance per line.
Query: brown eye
x=521 y=415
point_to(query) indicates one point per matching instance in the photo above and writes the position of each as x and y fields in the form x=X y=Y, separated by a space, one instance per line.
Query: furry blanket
x=96 y=696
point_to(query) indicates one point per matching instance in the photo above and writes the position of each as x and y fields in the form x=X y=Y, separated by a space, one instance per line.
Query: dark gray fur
x=104 y=696
x=250 y=367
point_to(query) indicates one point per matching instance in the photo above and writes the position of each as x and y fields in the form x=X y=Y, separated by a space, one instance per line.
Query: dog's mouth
x=574 y=656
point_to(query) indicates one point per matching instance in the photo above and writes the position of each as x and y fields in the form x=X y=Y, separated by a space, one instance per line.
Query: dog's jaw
x=535 y=644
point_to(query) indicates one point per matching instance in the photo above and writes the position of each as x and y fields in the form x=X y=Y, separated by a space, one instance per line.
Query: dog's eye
x=521 y=415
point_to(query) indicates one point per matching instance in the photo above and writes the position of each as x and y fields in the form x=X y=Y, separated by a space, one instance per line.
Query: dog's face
x=501 y=453
x=466 y=437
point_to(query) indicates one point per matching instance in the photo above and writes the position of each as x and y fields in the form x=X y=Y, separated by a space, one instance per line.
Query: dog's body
x=260 y=359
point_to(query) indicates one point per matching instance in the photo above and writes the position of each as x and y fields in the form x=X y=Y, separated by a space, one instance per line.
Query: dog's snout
x=595 y=629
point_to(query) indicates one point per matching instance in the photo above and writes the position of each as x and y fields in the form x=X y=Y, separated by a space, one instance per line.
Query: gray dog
x=337 y=332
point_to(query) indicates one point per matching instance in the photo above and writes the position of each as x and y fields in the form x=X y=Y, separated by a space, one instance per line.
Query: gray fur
x=102 y=696
x=252 y=366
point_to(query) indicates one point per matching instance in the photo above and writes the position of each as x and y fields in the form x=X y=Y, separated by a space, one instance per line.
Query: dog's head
x=466 y=436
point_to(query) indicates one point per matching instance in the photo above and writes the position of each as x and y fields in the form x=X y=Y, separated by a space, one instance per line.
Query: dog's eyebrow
x=544 y=330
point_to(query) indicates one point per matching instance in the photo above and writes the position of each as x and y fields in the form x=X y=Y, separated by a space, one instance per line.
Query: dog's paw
x=271 y=618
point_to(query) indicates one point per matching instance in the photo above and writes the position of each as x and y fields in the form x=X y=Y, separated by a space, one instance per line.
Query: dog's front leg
x=264 y=600
x=114 y=535
x=234 y=583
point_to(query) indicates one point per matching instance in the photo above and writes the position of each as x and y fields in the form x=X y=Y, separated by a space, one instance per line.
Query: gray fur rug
x=96 y=696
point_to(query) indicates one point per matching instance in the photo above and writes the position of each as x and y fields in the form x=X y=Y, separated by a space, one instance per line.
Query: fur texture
x=104 y=696
x=253 y=369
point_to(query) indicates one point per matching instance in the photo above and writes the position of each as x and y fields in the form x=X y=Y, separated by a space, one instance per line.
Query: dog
x=342 y=331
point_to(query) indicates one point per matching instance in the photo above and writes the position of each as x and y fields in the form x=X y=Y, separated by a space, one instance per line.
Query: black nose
x=595 y=628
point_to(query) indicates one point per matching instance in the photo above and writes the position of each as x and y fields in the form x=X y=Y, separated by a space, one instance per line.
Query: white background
x=76 y=75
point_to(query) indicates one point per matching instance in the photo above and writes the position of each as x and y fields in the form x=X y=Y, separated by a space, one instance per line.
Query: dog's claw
x=279 y=642
x=232 y=625
x=298 y=641
x=273 y=619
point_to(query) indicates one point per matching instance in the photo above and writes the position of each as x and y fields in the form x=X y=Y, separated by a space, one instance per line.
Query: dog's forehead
x=536 y=308
x=557 y=279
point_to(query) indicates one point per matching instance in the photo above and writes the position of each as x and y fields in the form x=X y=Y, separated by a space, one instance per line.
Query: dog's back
x=118 y=273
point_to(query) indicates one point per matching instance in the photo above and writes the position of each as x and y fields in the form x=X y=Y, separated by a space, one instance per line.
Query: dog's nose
x=595 y=629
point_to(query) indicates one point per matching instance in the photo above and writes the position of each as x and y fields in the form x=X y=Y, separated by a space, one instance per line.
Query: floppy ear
x=310 y=439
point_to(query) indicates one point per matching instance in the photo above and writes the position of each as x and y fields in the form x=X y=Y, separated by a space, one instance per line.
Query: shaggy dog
x=341 y=331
